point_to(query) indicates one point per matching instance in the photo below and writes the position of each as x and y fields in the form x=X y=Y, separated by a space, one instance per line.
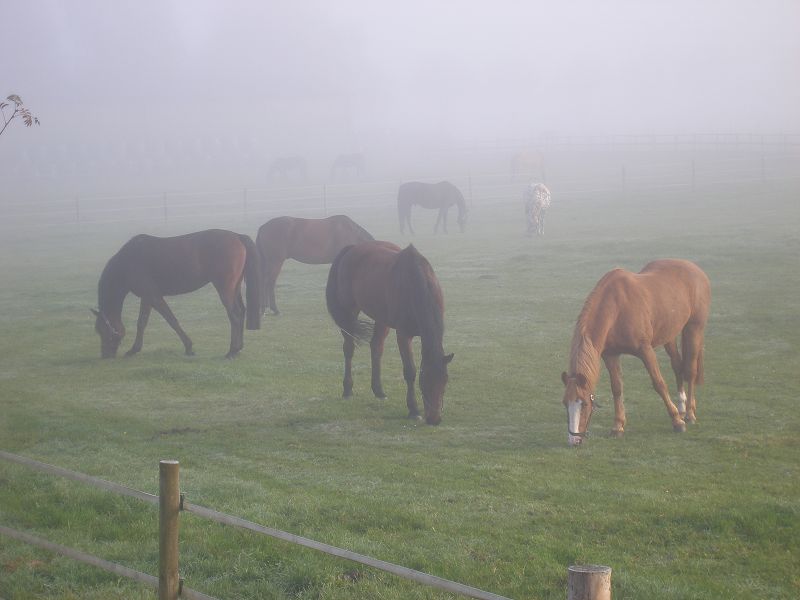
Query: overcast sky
x=348 y=71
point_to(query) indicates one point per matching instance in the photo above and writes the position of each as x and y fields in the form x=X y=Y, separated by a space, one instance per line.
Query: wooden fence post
x=169 y=506
x=589 y=582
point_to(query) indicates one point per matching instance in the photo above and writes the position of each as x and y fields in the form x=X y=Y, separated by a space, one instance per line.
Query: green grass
x=493 y=497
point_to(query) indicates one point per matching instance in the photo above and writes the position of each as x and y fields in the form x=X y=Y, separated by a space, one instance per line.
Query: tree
x=19 y=111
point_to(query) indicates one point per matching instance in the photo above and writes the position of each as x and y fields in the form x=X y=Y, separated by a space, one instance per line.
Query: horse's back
x=310 y=241
x=184 y=263
x=680 y=280
x=429 y=195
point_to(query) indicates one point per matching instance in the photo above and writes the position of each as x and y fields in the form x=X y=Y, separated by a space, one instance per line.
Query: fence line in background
x=487 y=189
x=171 y=502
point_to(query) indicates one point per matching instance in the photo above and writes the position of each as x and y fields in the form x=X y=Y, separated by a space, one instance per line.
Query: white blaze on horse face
x=574 y=421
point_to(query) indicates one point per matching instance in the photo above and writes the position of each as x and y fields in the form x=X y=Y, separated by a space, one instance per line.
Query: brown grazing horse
x=633 y=313
x=309 y=241
x=398 y=289
x=440 y=196
x=286 y=166
x=152 y=267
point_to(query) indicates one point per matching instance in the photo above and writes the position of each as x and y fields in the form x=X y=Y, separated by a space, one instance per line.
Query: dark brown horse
x=310 y=241
x=152 y=267
x=634 y=313
x=439 y=196
x=285 y=167
x=399 y=290
x=348 y=165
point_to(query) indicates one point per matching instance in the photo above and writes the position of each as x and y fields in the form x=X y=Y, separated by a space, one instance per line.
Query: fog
x=317 y=78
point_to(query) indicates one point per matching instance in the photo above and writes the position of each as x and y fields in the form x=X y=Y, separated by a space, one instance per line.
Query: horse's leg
x=141 y=323
x=648 y=356
x=231 y=297
x=165 y=311
x=615 y=374
x=271 y=271
x=409 y=374
x=677 y=367
x=692 y=342
x=379 y=333
x=348 y=348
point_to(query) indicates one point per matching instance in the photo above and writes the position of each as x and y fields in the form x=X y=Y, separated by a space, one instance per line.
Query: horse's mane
x=426 y=301
x=584 y=356
x=110 y=290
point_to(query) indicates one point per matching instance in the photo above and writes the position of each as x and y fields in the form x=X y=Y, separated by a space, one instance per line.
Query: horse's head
x=432 y=381
x=579 y=401
x=110 y=334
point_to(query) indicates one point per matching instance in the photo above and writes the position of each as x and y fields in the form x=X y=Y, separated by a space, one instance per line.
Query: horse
x=285 y=166
x=153 y=267
x=397 y=289
x=633 y=313
x=310 y=241
x=439 y=196
x=536 y=198
x=348 y=164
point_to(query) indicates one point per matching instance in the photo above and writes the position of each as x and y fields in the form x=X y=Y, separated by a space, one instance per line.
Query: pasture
x=493 y=497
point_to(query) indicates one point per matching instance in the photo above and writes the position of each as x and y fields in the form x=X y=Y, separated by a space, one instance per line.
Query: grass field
x=493 y=497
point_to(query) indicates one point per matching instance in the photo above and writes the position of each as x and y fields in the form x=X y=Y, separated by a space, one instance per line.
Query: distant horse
x=310 y=241
x=633 y=313
x=348 y=164
x=526 y=164
x=440 y=196
x=152 y=267
x=285 y=167
x=537 y=200
x=398 y=289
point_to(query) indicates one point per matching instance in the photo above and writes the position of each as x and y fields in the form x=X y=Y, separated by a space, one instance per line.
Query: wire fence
x=213 y=515
x=568 y=177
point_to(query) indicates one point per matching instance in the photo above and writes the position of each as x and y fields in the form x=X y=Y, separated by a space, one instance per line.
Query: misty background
x=142 y=96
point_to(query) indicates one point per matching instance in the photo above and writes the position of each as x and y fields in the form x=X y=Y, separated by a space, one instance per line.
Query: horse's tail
x=700 y=377
x=252 y=278
x=349 y=323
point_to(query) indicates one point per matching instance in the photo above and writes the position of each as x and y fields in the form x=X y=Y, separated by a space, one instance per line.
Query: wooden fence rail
x=171 y=502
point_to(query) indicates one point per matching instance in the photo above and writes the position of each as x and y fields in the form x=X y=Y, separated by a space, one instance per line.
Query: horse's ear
x=564 y=377
x=448 y=358
x=94 y=312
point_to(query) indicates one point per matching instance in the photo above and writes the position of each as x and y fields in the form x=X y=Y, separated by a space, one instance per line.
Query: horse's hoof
x=690 y=420
x=381 y=397
x=231 y=355
x=130 y=353
x=679 y=427
x=189 y=353
x=617 y=433
x=416 y=418
x=347 y=396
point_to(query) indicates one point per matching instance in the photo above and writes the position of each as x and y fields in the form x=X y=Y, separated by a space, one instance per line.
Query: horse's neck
x=585 y=356
x=111 y=290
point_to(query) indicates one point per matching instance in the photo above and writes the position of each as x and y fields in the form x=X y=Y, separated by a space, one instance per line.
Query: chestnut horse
x=309 y=241
x=153 y=267
x=398 y=289
x=439 y=196
x=633 y=313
